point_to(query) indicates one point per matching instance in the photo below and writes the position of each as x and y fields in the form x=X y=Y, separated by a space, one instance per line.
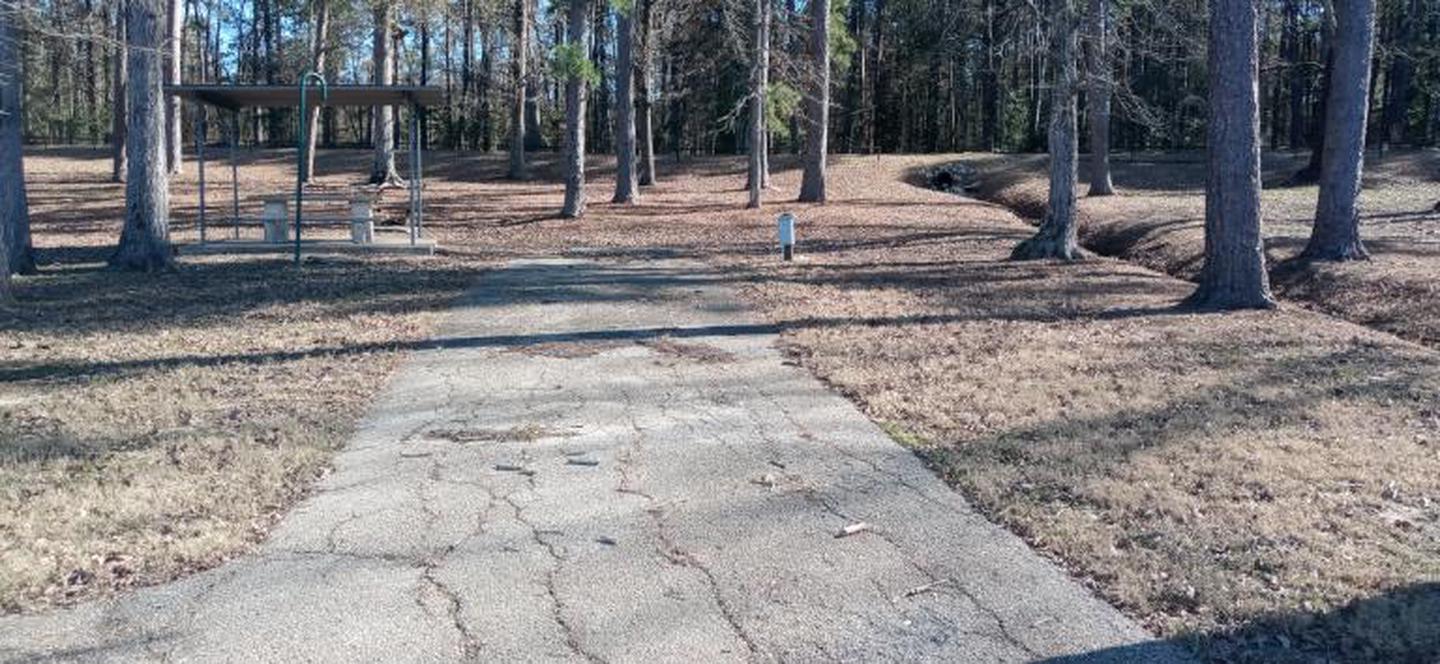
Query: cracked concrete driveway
x=611 y=462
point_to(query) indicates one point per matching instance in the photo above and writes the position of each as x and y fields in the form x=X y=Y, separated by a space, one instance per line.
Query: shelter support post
x=414 y=176
x=200 y=114
x=234 y=173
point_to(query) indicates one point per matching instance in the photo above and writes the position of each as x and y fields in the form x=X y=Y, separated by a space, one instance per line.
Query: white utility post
x=787 y=236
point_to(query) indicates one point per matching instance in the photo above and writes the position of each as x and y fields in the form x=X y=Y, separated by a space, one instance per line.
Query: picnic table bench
x=354 y=209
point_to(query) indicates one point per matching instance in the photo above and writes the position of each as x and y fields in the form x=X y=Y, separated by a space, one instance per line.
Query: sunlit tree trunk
x=1056 y=237
x=575 y=93
x=174 y=37
x=16 y=254
x=644 y=118
x=1336 y=233
x=1098 y=98
x=145 y=236
x=382 y=128
x=1233 y=276
x=519 y=60
x=625 y=187
x=756 y=178
x=817 y=104
x=117 y=94
x=318 y=49
x=765 y=18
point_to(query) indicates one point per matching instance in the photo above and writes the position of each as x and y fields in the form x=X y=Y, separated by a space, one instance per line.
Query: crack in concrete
x=557 y=605
x=790 y=417
x=669 y=547
x=470 y=645
x=818 y=497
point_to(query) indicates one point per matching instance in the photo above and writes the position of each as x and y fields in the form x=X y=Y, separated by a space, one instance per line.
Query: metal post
x=302 y=144
x=200 y=162
x=414 y=175
x=234 y=173
x=419 y=172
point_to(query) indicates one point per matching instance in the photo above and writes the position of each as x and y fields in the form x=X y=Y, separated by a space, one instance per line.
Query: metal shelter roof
x=235 y=97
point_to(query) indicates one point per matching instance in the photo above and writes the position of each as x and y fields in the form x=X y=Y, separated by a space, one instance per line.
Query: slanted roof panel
x=288 y=96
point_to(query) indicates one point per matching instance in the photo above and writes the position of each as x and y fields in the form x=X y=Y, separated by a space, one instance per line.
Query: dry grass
x=1264 y=485
x=1157 y=220
x=157 y=424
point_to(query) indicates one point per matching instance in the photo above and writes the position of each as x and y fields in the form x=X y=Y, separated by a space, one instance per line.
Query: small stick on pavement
x=917 y=590
x=852 y=529
x=581 y=462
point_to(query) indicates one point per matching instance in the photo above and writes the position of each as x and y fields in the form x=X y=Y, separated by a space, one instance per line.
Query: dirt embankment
x=1157 y=221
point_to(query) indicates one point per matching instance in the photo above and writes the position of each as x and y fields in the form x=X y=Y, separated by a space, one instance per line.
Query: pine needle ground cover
x=1260 y=485
x=154 y=425
x=1157 y=220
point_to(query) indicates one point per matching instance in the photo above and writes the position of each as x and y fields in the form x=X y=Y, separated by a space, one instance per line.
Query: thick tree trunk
x=756 y=178
x=625 y=186
x=382 y=127
x=174 y=137
x=121 y=74
x=16 y=253
x=644 y=120
x=575 y=92
x=1098 y=97
x=145 y=237
x=1336 y=233
x=1233 y=276
x=1057 y=237
x=518 y=66
x=318 y=49
x=534 y=137
x=817 y=104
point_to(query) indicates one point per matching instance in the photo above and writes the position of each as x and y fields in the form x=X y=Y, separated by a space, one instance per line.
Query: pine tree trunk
x=765 y=19
x=990 y=86
x=817 y=104
x=484 y=115
x=16 y=253
x=1057 y=237
x=518 y=65
x=625 y=187
x=318 y=49
x=756 y=178
x=174 y=137
x=118 y=165
x=145 y=237
x=534 y=138
x=1099 y=99
x=644 y=120
x=575 y=91
x=1336 y=233
x=382 y=128
x=1317 y=130
x=1233 y=276
x=1290 y=51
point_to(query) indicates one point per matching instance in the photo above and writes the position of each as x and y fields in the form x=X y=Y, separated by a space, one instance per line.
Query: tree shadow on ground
x=80 y=298
x=1400 y=625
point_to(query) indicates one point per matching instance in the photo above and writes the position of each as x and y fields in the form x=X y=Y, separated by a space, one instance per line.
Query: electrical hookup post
x=787 y=236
